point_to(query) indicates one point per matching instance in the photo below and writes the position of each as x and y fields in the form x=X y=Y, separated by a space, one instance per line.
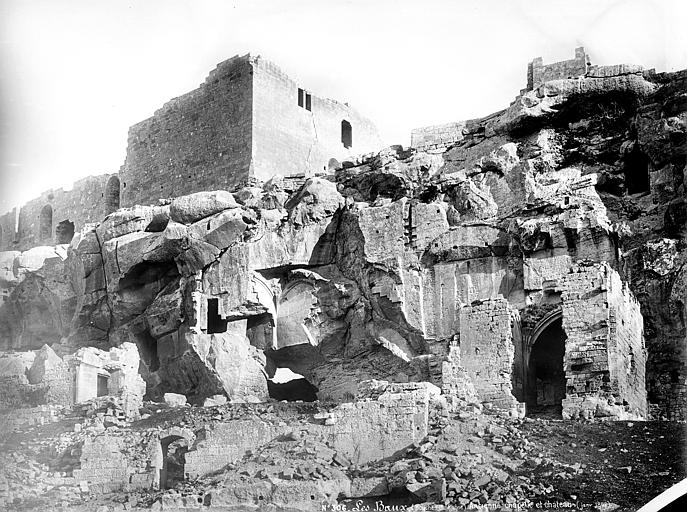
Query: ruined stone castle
x=532 y=260
x=247 y=122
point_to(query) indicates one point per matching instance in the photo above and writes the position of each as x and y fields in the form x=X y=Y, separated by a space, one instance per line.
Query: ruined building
x=247 y=122
x=529 y=261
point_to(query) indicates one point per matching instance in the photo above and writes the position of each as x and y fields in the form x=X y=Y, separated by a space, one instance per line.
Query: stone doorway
x=174 y=449
x=545 y=379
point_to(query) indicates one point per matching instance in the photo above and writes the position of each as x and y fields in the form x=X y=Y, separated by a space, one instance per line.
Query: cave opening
x=147 y=348
x=636 y=170
x=545 y=388
x=64 y=232
x=290 y=386
x=215 y=323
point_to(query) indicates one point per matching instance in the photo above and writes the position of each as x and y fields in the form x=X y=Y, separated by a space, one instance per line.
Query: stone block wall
x=375 y=429
x=604 y=357
x=626 y=348
x=8 y=229
x=487 y=350
x=111 y=463
x=198 y=141
x=103 y=464
x=538 y=72
x=452 y=284
x=243 y=122
x=226 y=443
x=437 y=136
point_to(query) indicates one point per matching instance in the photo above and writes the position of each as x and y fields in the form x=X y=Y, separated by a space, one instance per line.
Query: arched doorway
x=346 y=134
x=174 y=448
x=545 y=376
x=112 y=194
x=45 y=224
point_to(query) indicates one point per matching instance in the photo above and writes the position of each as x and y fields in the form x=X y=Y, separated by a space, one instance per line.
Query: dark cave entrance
x=64 y=232
x=174 y=450
x=636 y=170
x=289 y=386
x=346 y=134
x=147 y=348
x=545 y=389
x=215 y=323
x=112 y=194
x=102 y=384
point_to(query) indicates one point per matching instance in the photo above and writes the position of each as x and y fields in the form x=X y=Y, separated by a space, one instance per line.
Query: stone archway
x=174 y=444
x=112 y=195
x=545 y=372
x=45 y=224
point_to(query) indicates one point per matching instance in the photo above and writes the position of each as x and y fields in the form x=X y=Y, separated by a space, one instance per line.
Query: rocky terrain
x=408 y=290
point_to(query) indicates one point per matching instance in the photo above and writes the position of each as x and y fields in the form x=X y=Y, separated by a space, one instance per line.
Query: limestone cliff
x=560 y=220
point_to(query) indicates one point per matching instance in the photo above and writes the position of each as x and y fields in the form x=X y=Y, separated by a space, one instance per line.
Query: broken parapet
x=538 y=72
x=438 y=135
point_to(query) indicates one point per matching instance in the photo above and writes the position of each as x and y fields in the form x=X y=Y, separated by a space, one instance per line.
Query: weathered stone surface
x=174 y=399
x=192 y=208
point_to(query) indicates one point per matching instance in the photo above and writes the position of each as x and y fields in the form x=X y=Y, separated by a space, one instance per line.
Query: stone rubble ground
x=469 y=459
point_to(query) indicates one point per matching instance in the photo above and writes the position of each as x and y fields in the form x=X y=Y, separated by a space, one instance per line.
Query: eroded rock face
x=409 y=265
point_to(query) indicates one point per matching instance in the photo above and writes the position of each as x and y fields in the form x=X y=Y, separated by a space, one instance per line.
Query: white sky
x=75 y=74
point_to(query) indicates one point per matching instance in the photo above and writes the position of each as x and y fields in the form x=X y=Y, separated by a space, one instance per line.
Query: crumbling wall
x=117 y=368
x=626 y=348
x=86 y=202
x=8 y=230
x=487 y=350
x=538 y=73
x=431 y=137
x=599 y=354
x=394 y=418
x=226 y=443
x=198 y=141
x=119 y=462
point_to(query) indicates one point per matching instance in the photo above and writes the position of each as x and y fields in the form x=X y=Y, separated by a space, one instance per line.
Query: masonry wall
x=429 y=137
x=626 y=348
x=86 y=202
x=8 y=234
x=289 y=139
x=487 y=350
x=198 y=141
x=604 y=357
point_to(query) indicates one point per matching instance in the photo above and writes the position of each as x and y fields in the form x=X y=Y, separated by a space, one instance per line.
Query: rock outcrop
x=453 y=262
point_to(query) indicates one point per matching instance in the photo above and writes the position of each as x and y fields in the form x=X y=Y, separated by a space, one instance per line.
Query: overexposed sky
x=75 y=74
